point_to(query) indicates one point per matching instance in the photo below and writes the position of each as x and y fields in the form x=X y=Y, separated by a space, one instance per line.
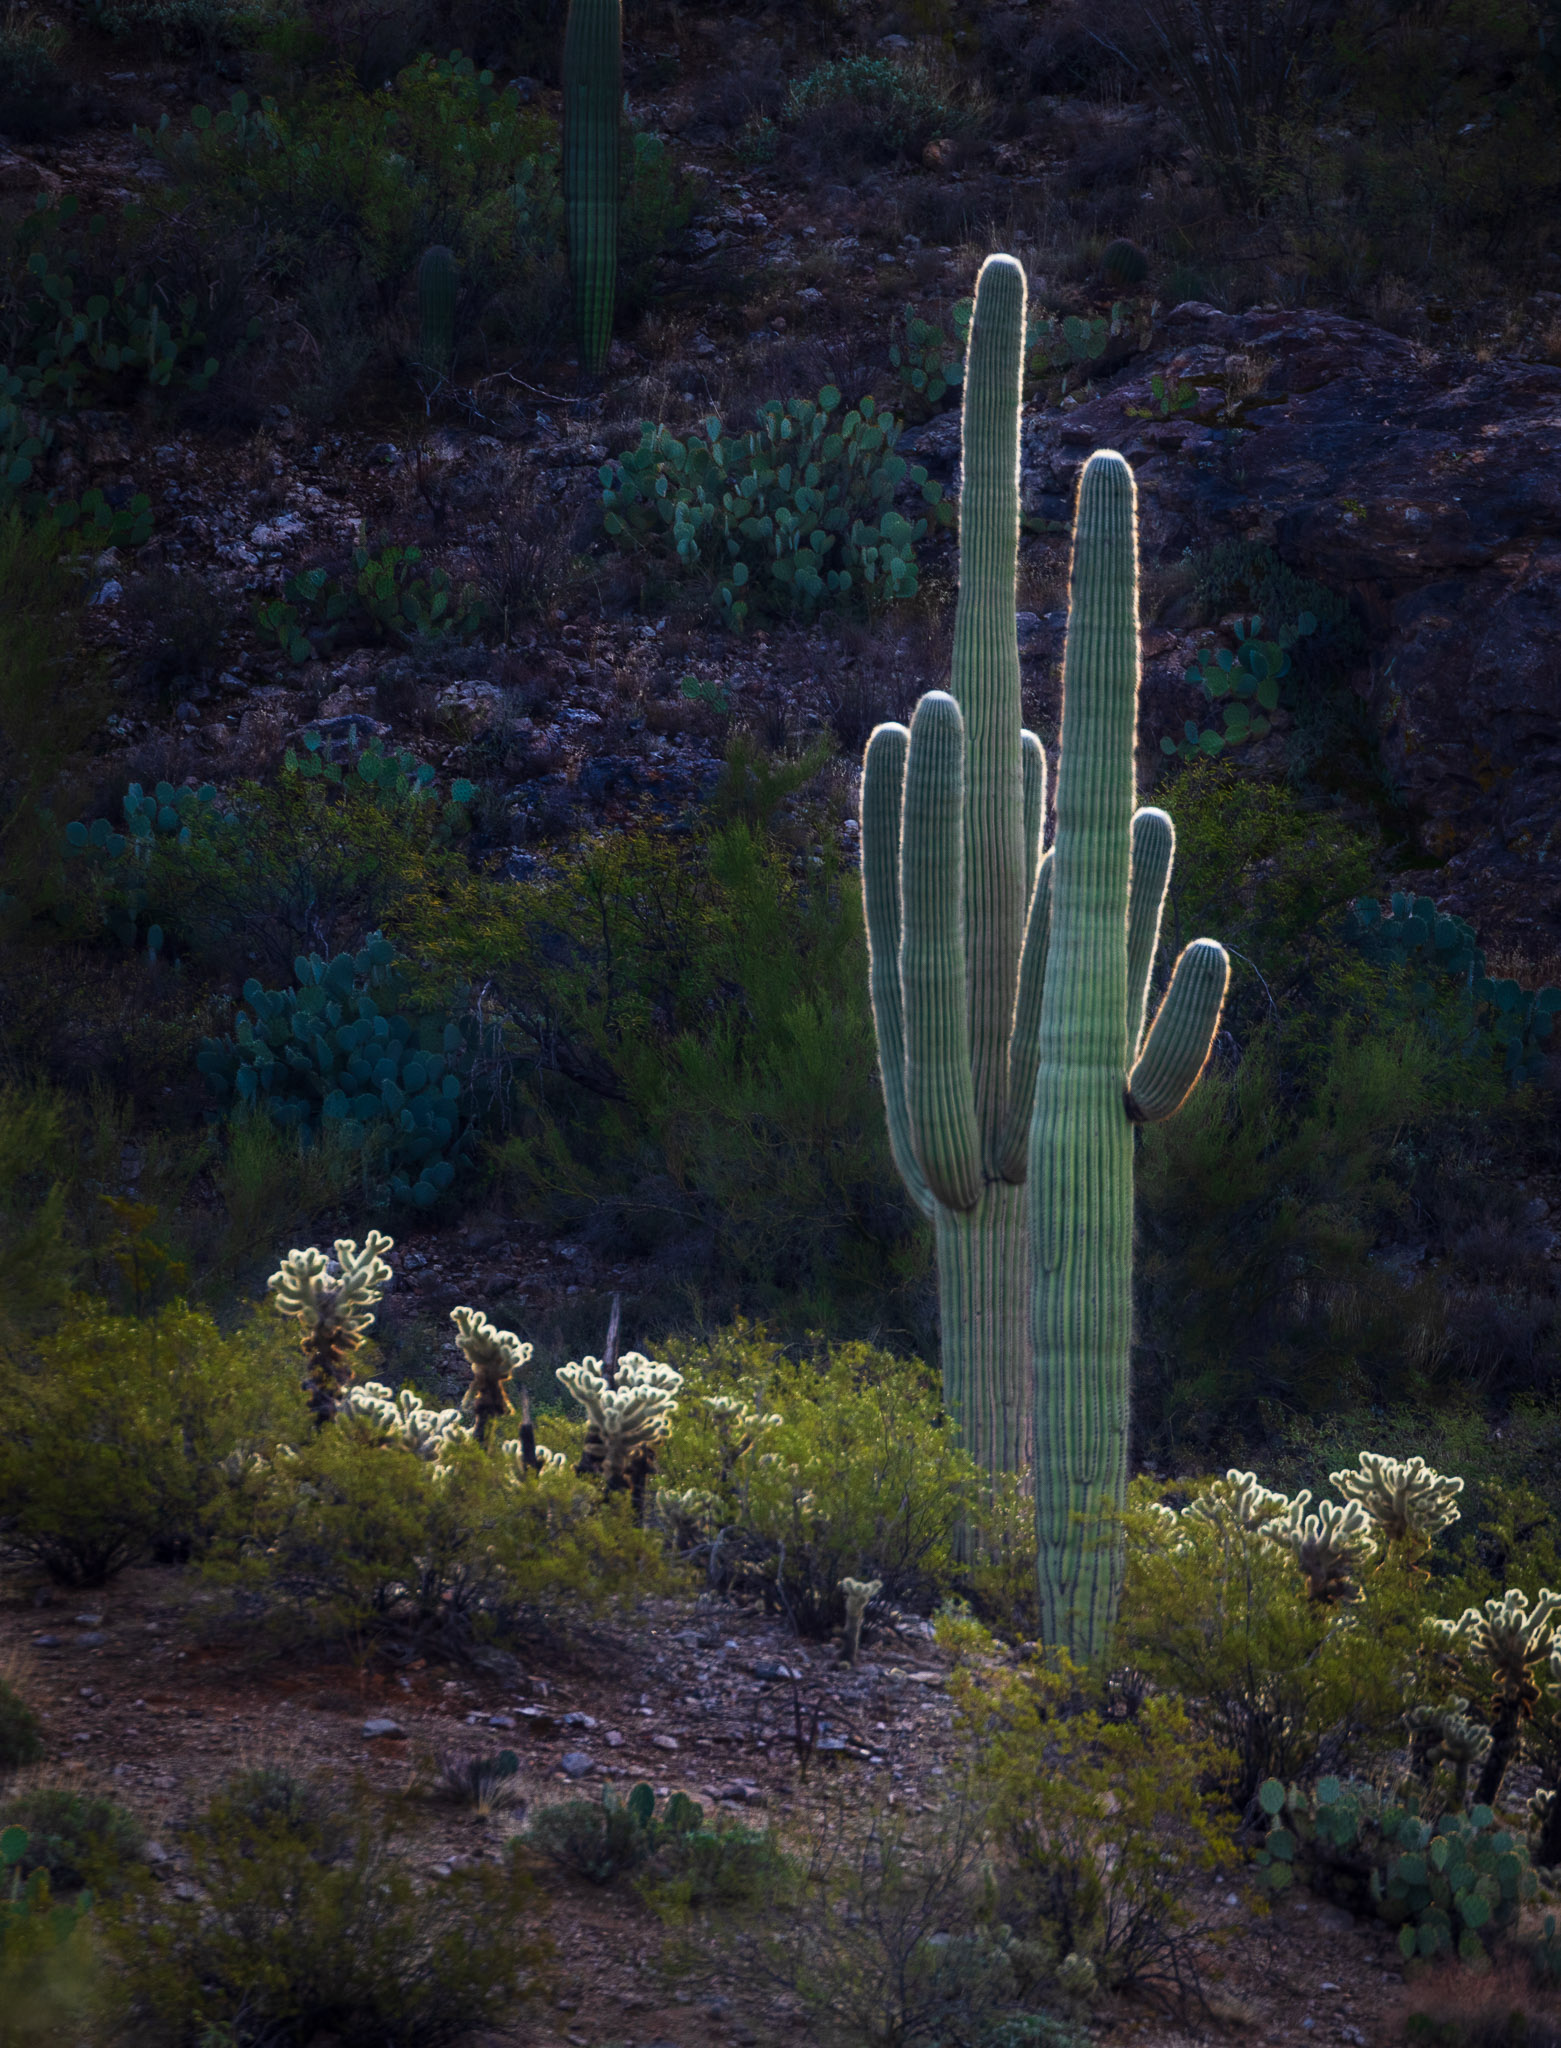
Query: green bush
x=888 y=110
x=725 y=1870
x=1215 y=1614
x=117 y=1423
x=21 y=1732
x=799 y=514
x=856 y=1476
x=613 y=1837
x=298 y=1929
x=47 y=1969
x=387 y=599
x=354 y=1536
x=76 y=1838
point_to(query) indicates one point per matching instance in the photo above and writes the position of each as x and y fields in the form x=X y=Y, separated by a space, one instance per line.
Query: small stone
x=46 y=1642
x=614 y=1738
x=501 y=1720
x=154 y=1852
x=586 y=1721
x=91 y=1640
x=88 y=1620
x=380 y=1727
x=575 y=1763
x=664 y=1742
x=768 y=1668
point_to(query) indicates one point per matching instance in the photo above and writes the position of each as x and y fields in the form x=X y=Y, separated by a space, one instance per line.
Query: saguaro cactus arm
x=1154 y=845
x=939 y=1092
x=883 y=779
x=1182 y=1035
x=1034 y=758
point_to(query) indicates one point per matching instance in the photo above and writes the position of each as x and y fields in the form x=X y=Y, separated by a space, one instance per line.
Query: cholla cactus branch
x=625 y=1422
x=1238 y=1502
x=493 y=1356
x=334 y=1307
x=427 y=1432
x=860 y=1594
x=1408 y=1501
x=1447 y=1735
x=1507 y=1640
x=1330 y=1546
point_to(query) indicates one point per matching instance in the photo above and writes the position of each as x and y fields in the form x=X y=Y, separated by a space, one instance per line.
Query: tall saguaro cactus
x=593 y=94
x=1098 y=1072
x=951 y=822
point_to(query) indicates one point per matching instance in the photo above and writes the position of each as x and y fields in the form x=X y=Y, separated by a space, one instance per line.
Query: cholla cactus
x=626 y=1421
x=1447 y=1735
x=1238 y=1502
x=240 y=1465
x=737 y=1426
x=1330 y=1546
x=492 y=1355
x=1409 y=1502
x=530 y=1458
x=427 y=1432
x=1506 y=1642
x=331 y=1298
x=686 y=1514
x=860 y=1593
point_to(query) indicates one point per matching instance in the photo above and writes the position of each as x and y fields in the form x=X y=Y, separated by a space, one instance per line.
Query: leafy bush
x=46 y=1968
x=725 y=1868
x=117 y=1424
x=395 y=1088
x=885 y=109
x=1285 y=1683
x=799 y=514
x=311 y=1922
x=355 y=1535
x=854 y=1475
x=76 y=1838
x=21 y=1732
x=1103 y=1827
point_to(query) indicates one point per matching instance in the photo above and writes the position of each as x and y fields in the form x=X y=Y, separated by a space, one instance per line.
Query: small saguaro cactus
x=1098 y=1072
x=626 y=1418
x=1409 y=1503
x=436 y=292
x=335 y=1309
x=859 y=1596
x=593 y=95
x=493 y=1356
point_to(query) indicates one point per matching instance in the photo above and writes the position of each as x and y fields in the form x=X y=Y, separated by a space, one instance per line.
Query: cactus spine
x=1098 y=1073
x=436 y=309
x=951 y=822
x=593 y=93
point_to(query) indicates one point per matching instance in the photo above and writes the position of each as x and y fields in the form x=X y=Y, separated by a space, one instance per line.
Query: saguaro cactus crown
x=951 y=824
x=593 y=94
x=1097 y=1071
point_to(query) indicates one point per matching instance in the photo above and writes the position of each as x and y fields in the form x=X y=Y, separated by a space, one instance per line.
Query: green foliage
x=75 y=1838
x=117 y=1425
x=304 y=1922
x=724 y=1869
x=694 y=1064
x=1499 y=1017
x=395 y=1087
x=1166 y=400
x=355 y=1536
x=702 y=690
x=21 y=1732
x=117 y=860
x=44 y=1968
x=610 y=1839
x=853 y=1476
x=393 y=780
x=929 y=364
x=799 y=514
x=75 y=328
x=1237 y=681
x=387 y=600
x=37 y=1258
x=1449 y=1882
x=899 y=108
x=1216 y=1613
x=1102 y=1827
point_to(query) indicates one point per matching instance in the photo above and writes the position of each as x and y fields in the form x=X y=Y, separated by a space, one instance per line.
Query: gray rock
x=381 y=1727
x=575 y=1763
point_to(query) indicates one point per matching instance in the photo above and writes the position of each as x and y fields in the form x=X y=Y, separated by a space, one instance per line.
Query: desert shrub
x=1283 y=1684
x=600 y=1840
x=696 y=1071
x=725 y=1869
x=47 y=1968
x=297 y=1930
x=1102 y=1828
x=21 y=1732
x=76 y=1838
x=118 y=1422
x=51 y=694
x=874 y=110
x=798 y=514
x=37 y=1258
x=355 y=1535
x=849 y=1471
x=182 y=27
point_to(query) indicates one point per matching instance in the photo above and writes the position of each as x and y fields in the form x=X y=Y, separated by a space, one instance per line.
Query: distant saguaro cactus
x=593 y=97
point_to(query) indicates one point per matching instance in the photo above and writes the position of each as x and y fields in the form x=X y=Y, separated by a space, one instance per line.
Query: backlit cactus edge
x=1009 y=992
